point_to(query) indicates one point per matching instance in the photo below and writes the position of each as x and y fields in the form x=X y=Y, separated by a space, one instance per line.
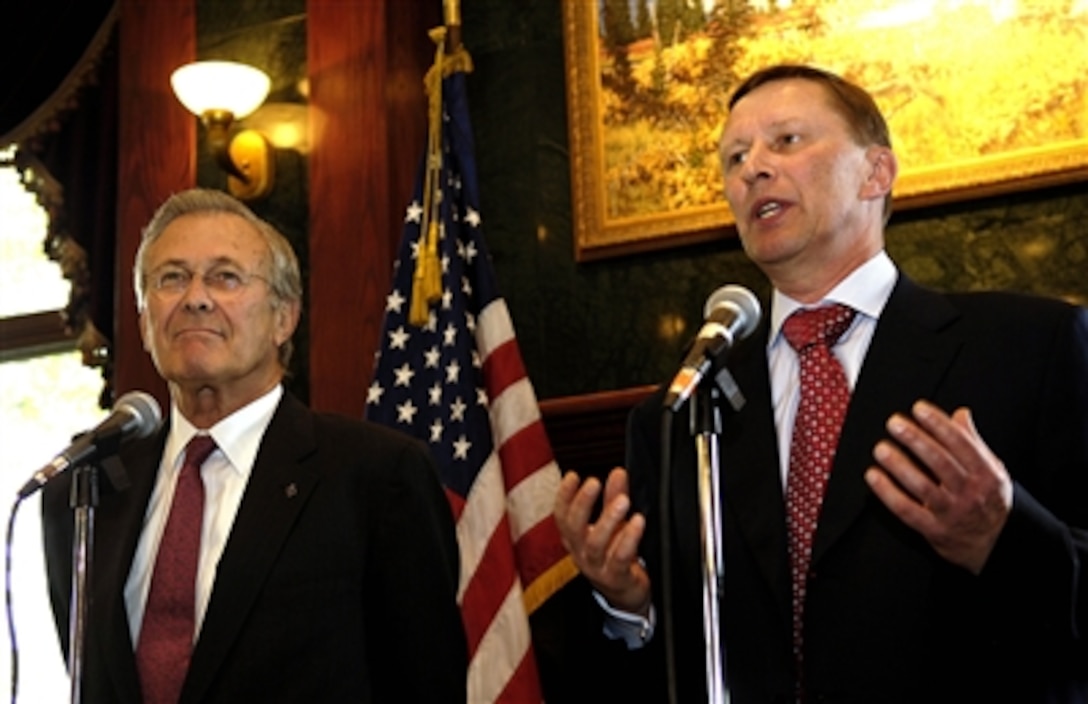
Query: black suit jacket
x=887 y=620
x=338 y=581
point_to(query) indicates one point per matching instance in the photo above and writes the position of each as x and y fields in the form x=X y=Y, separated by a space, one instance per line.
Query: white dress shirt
x=225 y=474
x=866 y=290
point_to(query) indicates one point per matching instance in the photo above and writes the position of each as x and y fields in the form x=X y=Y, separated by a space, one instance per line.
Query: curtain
x=59 y=107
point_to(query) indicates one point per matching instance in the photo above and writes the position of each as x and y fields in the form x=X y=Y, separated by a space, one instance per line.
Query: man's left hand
x=941 y=479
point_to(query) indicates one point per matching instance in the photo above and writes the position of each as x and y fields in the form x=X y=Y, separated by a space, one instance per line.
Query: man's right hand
x=606 y=552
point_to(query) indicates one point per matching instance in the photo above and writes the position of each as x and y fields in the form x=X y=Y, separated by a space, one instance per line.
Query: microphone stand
x=706 y=426
x=83 y=500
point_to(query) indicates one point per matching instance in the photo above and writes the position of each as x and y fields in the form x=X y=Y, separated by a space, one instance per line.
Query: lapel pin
x=291 y=490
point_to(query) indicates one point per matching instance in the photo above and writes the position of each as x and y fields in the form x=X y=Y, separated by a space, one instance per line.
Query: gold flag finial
x=452 y=12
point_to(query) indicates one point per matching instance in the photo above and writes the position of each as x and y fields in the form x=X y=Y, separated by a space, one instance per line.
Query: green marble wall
x=613 y=324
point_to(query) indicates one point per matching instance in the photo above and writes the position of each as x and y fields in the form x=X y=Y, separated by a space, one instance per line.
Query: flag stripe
x=527 y=450
x=483 y=595
x=533 y=495
x=484 y=509
x=503 y=369
x=495 y=328
x=519 y=687
x=512 y=410
x=501 y=654
x=457 y=503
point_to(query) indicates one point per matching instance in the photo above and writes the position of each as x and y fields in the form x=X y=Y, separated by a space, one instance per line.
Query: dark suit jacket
x=338 y=581
x=887 y=620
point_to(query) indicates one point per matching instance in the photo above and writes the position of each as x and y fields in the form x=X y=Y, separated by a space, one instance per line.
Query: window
x=46 y=396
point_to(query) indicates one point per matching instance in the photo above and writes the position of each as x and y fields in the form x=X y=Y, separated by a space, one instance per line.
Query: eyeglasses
x=219 y=280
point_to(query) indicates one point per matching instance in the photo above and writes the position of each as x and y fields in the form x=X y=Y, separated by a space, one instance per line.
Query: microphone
x=732 y=313
x=135 y=415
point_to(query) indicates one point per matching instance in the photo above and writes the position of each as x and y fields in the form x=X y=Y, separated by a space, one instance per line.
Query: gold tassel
x=427 y=278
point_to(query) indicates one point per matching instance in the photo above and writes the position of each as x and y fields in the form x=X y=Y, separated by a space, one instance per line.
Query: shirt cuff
x=633 y=629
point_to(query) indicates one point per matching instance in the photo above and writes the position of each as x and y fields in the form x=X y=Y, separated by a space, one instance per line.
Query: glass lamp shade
x=220 y=85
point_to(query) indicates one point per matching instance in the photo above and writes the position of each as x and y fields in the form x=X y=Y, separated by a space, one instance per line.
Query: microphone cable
x=665 y=529
x=8 y=600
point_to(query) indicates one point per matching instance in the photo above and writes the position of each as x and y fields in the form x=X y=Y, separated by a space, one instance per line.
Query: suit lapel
x=913 y=345
x=751 y=483
x=276 y=492
x=118 y=523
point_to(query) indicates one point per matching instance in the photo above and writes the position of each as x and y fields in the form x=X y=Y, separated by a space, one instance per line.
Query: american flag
x=456 y=379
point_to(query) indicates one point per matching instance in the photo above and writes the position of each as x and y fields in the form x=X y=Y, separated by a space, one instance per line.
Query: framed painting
x=983 y=97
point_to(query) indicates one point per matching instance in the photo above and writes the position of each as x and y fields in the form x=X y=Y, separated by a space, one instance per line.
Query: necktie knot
x=807 y=327
x=198 y=450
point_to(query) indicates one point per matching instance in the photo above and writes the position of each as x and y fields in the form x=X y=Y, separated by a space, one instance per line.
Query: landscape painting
x=982 y=96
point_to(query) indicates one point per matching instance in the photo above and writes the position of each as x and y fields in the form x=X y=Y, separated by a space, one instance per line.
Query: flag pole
x=451 y=10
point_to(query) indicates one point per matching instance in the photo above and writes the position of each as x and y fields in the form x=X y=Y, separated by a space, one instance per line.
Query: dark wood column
x=366 y=63
x=157 y=142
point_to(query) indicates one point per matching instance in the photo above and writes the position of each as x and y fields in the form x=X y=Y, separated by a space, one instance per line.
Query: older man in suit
x=941 y=553
x=319 y=563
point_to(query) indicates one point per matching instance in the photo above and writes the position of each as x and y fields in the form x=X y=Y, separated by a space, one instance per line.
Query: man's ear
x=287 y=316
x=144 y=334
x=883 y=168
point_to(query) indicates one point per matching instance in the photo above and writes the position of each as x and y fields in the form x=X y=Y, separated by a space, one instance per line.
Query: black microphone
x=732 y=313
x=135 y=415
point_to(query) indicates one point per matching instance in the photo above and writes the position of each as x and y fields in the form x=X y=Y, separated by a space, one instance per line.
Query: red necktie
x=824 y=397
x=166 y=637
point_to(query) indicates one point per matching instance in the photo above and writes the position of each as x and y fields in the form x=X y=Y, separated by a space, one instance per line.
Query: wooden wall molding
x=588 y=431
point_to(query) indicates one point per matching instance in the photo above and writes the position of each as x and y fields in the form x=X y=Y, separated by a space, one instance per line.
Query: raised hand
x=954 y=490
x=606 y=551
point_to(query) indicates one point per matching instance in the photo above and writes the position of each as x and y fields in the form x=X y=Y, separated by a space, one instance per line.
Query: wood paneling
x=368 y=115
x=588 y=431
x=157 y=144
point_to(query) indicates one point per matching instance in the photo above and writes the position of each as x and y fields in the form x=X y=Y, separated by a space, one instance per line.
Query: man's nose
x=197 y=295
x=758 y=164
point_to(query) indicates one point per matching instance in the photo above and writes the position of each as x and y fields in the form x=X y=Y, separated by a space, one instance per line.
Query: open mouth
x=768 y=210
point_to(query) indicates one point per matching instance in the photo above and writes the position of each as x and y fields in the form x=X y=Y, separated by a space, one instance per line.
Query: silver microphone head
x=144 y=409
x=741 y=302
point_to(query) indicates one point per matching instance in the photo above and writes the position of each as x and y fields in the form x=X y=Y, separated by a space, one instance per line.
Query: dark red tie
x=824 y=397
x=166 y=637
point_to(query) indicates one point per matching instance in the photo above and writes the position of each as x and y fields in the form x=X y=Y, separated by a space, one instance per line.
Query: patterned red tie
x=166 y=637
x=824 y=397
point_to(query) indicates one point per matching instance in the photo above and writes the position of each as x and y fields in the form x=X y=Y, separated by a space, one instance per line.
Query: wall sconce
x=220 y=92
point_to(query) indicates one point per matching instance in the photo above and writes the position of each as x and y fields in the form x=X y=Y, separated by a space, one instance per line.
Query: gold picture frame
x=935 y=100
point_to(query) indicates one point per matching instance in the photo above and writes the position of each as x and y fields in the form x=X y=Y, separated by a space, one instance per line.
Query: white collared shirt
x=225 y=474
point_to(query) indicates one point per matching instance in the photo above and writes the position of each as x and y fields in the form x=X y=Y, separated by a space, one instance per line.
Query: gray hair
x=284 y=279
